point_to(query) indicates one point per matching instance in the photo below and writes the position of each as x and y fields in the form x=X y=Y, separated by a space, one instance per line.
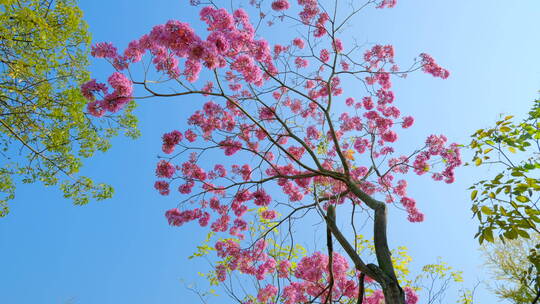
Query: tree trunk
x=384 y=272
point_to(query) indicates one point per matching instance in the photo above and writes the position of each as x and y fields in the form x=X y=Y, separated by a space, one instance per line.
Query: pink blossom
x=208 y=87
x=431 y=67
x=387 y=3
x=368 y=103
x=221 y=273
x=170 y=140
x=278 y=49
x=162 y=187
x=165 y=169
x=338 y=45
x=89 y=88
x=104 y=50
x=220 y=170
x=266 y=113
x=312 y=132
x=407 y=121
x=221 y=224
x=95 y=109
x=230 y=146
x=280 y=5
x=121 y=84
x=266 y=293
x=301 y=62
x=186 y=188
x=389 y=136
x=178 y=218
x=261 y=198
x=379 y=54
x=415 y=216
x=284 y=268
x=268 y=214
x=345 y=65
x=410 y=295
x=298 y=42
x=296 y=152
x=325 y=55
x=190 y=135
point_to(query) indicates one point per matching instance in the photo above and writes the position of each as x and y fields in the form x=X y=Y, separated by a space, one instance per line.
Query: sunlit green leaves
x=505 y=205
x=46 y=133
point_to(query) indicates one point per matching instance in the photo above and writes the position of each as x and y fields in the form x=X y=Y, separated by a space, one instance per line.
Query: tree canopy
x=279 y=141
x=44 y=130
x=513 y=265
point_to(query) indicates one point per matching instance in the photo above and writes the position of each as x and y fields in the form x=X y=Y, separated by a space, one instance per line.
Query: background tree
x=512 y=265
x=506 y=205
x=292 y=154
x=44 y=47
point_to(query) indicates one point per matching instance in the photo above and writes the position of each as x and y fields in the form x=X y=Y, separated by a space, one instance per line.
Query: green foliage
x=431 y=283
x=45 y=132
x=400 y=258
x=515 y=264
x=506 y=204
x=465 y=297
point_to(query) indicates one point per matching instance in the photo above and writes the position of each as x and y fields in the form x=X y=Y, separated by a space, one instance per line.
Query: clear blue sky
x=122 y=250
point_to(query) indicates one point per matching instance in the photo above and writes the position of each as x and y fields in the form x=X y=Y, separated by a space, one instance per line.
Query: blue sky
x=122 y=251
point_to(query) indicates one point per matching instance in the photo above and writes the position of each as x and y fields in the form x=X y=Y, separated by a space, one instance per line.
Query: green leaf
x=511 y=234
x=478 y=161
x=524 y=234
x=488 y=235
x=486 y=210
x=522 y=198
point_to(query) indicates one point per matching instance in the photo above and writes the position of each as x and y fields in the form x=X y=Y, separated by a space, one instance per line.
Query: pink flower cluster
x=436 y=146
x=280 y=5
x=165 y=169
x=298 y=42
x=162 y=187
x=407 y=122
x=170 y=140
x=213 y=117
x=178 y=218
x=410 y=295
x=230 y=146
x=431 y=67
x=320 y=30
x=267 y=293
x=324 y=55
x=104 y=50
x=122 y=94
x=252 y=261
x=379 y=54
x=414 y=214
x=387 y=3
x=232 y=37
x=313 y=273
x=309 y=11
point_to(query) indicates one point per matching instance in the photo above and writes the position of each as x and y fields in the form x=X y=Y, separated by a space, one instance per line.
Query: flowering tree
x=292 y=153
